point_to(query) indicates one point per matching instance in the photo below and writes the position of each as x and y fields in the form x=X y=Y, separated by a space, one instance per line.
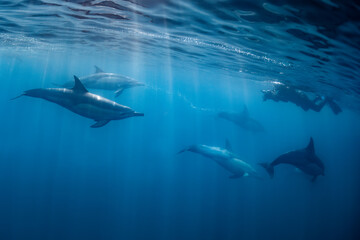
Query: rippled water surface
x=272 y=40
x=61 y=179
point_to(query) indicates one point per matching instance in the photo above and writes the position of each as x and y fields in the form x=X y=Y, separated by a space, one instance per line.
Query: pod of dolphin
x=75 y=97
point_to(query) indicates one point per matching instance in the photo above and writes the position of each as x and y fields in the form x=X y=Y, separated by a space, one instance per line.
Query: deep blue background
x=61 y=179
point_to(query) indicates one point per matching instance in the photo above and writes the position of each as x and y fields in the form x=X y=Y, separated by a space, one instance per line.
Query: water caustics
x=277 y=40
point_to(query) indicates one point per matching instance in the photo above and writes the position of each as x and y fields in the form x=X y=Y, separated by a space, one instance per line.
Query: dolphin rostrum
x=243 y=120
x=225 y=158
x=106 y=81
x=303 y=159
x=84 y=103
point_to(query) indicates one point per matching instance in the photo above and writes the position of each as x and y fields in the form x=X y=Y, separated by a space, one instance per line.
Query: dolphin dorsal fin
x=78 y=86
x=310 y=147
x=98 y=70
x=245 y=111
x=228 y=145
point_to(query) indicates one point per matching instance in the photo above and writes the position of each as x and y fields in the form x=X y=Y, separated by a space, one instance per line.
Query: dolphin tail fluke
x=269 y=168
x=334 y=106
x=23 y=94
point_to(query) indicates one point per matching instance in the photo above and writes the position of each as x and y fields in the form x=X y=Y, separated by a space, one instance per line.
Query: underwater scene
x=179 y=119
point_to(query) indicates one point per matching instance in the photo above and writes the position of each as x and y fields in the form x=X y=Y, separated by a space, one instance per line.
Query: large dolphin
x=84 y=103
x=225 y=158
x=106 y=81
x=303 y=159
x=243 y=120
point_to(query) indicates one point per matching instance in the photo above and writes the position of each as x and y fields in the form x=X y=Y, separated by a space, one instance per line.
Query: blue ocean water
x=61 y=179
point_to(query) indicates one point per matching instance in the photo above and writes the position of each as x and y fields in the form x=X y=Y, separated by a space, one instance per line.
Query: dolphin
x=303 y=159
x=243 y=120
x=106 y=81
x=225 y=158
x=84 y=103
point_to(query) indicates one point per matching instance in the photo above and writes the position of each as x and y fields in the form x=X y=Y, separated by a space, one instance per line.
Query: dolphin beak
x=17 y=96
x=184 y=150
x=137 y=114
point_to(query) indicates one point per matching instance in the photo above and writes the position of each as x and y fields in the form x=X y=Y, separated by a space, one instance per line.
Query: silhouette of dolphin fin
x=78 y=86
x=119 y=92
x=100 y=123
x=228 y=145
x=98 y=70
x=310 y=147
x=245 y=111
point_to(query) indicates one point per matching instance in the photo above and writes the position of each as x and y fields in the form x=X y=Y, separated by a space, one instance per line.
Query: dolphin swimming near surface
x=225 y=158
x=84 y=103
x=303 y=159
x=287 y=93
x=106 y=81
x=243 y=120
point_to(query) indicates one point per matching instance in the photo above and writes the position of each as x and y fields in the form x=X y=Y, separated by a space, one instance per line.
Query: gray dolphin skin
x=106 y=81
x=243 y=120
x=225 y=158
x=303 y=159
x=84 y=103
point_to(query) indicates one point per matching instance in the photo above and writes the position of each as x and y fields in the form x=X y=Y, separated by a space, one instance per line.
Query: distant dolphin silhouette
x=304 y=159
x=106 y=81
x=243 y=120
x=225 y=158
x=287 y=93
x=84 y=103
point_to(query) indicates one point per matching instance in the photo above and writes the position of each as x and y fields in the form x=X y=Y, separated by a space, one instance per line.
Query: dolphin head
x=126 y=113
x=191 y=148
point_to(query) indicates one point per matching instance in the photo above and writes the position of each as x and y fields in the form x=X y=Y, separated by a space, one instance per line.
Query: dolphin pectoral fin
x=98 y=70
x=119 y=92
x=100 y=123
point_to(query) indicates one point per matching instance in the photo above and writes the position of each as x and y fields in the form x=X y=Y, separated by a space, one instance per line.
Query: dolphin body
x=225 y=158
x=303 y=159
x=106 y=81
x=84 y=103
x=243 y=120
